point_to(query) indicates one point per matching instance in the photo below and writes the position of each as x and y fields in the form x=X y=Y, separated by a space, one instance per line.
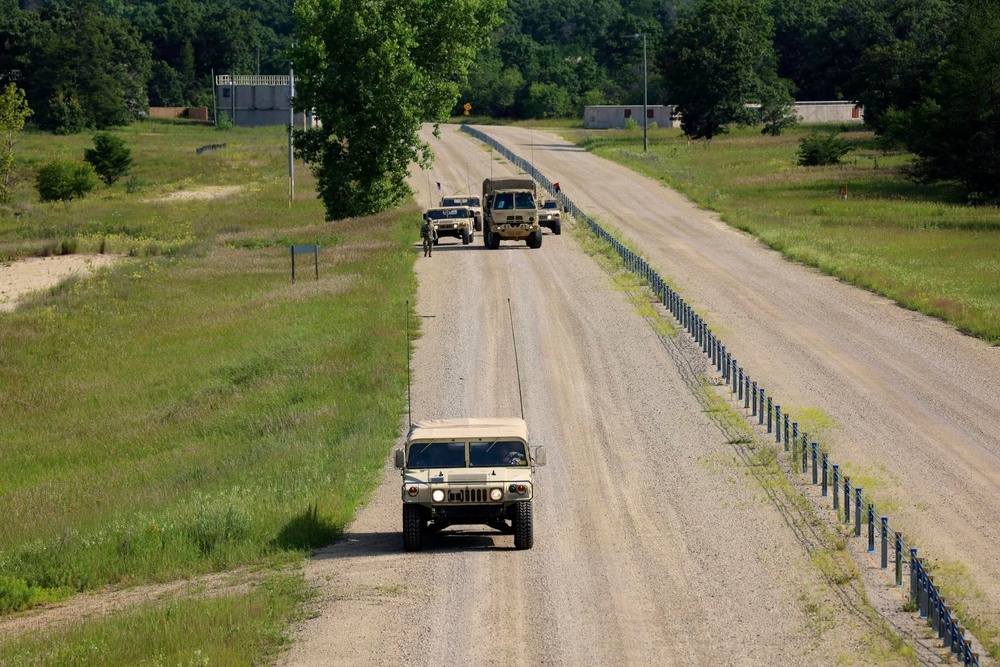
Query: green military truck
x=468 y=471
x=510 y=212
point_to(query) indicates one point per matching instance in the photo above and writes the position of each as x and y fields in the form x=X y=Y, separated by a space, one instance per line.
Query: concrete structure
x=607 y=117
x=603 y=117
x=257 y=100
x=830 y=112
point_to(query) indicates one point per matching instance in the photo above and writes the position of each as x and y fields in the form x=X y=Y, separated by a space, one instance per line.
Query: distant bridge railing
x=925 y=595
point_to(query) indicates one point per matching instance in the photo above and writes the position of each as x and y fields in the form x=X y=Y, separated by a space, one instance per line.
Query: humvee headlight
x=412 y=490
x=438 y=496
x=496 y=495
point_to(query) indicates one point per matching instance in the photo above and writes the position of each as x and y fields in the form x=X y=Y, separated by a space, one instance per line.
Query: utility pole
x=291 y=126
x=645 y=99
x=215 y=99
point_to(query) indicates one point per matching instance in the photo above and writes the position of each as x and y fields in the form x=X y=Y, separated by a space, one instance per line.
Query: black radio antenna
x=409 y=404
x=517 y=366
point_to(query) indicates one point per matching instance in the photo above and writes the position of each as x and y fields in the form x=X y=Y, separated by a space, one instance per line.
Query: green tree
x=547 y=100
x=110 y=157
x=374 y=70
x=716 y=62
x=14 y=112
x=86 y=70
x=955 y=129
x=62 y=180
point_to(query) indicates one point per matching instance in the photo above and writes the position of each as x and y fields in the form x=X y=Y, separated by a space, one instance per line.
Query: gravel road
x=915 y=404
x=653 y=544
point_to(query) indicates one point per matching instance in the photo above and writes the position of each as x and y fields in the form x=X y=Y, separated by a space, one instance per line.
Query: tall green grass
x=916 y=244
x=190 y=409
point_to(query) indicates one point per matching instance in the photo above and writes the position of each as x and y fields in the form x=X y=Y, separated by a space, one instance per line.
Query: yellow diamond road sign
x=468 y=108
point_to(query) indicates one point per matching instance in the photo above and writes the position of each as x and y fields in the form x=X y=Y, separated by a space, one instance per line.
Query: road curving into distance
x=652 y=543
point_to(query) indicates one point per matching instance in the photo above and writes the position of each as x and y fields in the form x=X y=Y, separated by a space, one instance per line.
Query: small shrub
x=18 y=595
x=630 y=124
x=110 y=157
x=820 y=149
x=133 y=185
x=223 y=122
x=68 y=246
x=60 y=180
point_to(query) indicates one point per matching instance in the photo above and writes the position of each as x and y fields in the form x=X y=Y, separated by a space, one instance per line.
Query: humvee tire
x=413 y=527
x=535 y=239
x=524 y=534
x=557 y=229
x=466 y=237
x=492 y=240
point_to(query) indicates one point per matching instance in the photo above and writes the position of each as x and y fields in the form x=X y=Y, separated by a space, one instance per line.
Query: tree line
x=925 y=71
x=97 y=64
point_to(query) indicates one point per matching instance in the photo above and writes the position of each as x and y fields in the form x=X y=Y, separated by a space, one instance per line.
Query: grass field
x=191 y=410
x=919 y=245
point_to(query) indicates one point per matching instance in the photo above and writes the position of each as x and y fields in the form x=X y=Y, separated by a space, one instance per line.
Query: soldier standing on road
x=429 y=235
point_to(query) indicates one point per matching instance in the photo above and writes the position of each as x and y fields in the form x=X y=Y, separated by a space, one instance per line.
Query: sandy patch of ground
x=30 y=275
x=205 y=193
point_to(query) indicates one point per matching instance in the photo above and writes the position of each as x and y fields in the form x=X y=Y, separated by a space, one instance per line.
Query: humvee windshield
x=551 y=204
x=499 y=453
x=437 y=455
x=449 y=214
x=507 y=200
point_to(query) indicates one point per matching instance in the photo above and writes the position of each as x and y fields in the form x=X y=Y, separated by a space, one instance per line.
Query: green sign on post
x=300 y=249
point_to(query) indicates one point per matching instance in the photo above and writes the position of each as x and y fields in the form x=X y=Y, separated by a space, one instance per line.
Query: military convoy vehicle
x=550 y=216
x=455 y=221
x=510 y=212
x=472 y=203
x=468 y=471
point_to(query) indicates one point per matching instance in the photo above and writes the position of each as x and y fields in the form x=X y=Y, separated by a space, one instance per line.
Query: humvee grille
x=468 y=495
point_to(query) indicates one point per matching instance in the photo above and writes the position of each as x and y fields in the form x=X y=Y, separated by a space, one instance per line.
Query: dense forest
x=923 y=69
x=99 y=64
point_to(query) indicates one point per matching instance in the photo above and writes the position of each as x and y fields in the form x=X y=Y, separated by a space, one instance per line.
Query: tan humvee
x=472 y=203
x=468 y=471
x=457 y=221
x=550 y=216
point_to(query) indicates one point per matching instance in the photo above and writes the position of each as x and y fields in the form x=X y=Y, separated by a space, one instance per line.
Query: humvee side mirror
x=400 y=458
x=539 y=456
